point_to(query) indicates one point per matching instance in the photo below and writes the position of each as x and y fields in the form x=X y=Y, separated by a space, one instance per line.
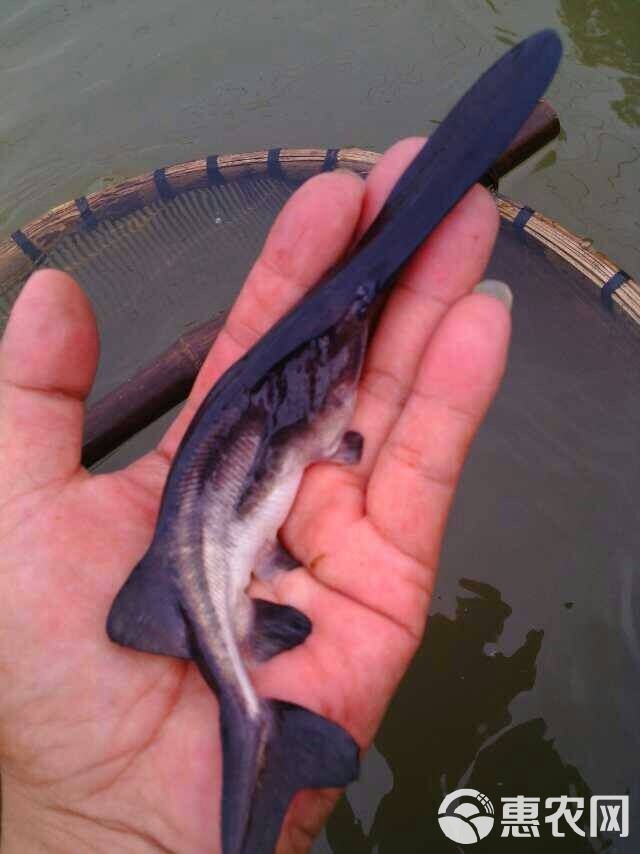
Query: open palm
x=104 y=748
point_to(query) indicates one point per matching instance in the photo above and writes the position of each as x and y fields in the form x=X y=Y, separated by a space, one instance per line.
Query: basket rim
x=23 y=249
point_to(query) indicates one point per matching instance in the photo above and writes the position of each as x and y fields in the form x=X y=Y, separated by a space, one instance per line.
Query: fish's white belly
x=252 y=532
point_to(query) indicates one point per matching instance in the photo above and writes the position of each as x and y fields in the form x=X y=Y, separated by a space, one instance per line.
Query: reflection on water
x=461 y=736
x=607 y=32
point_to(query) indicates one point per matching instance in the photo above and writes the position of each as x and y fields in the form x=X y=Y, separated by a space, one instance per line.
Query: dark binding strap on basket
x=163 y=187
x=274 y=167
x=330 y=159
x=88 y=220
x=214 y=175
x=28 y=246
x=523 y=217
x=610 y=287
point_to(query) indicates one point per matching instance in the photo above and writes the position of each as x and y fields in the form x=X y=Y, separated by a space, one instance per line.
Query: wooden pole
x=540 y=128
x=148 y=394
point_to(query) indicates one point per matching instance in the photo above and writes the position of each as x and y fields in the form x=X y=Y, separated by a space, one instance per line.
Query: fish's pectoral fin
x=305 y=751
x=146 y=614
x=276 y=628
x=274 y=558
x=349 y=451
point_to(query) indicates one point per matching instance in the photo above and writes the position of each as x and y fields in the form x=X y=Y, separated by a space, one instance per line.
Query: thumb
x=48 y=359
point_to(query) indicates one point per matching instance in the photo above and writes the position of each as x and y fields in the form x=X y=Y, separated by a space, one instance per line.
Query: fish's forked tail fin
x=243 y=742
x=304 y=751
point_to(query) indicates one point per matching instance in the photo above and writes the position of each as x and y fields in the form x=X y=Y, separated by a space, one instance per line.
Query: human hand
x=104 y=748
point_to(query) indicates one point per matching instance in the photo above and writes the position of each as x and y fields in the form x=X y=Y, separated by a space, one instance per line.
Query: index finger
x=310 y=234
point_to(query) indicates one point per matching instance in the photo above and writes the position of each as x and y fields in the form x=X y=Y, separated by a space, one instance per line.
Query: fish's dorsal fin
x=146 y=614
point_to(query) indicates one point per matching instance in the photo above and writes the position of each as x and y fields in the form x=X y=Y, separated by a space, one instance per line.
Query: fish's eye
x=360 y=310
x=361 y=303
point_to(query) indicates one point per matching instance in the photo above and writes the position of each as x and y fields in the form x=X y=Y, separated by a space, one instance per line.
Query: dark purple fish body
x=284 y=405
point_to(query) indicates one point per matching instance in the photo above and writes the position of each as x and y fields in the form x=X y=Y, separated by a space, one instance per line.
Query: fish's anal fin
x=274 y=558
x=276 y=628
x=349 y=451
x=305 y=751
x=146 y=614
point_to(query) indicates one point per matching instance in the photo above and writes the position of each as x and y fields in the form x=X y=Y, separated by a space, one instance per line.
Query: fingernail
x=496 y=289
x=343 y=170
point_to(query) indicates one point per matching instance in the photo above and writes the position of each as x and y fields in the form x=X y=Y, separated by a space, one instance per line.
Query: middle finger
x=445 y=268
